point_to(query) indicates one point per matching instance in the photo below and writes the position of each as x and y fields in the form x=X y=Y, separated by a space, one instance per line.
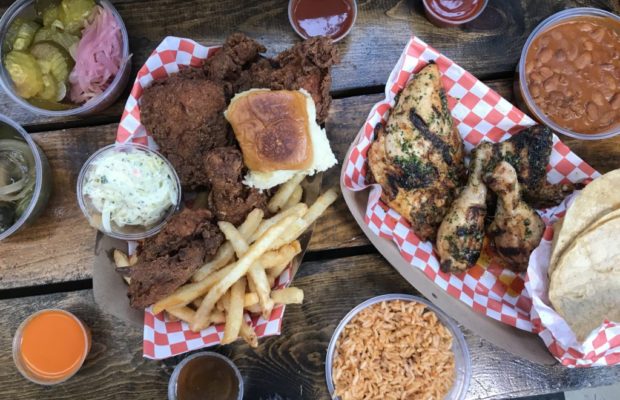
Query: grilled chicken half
x=417 y=158
x=516 y=229
x=461 y=233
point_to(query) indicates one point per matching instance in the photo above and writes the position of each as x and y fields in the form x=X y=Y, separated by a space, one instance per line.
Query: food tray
x=487 y=289
x=163 y=338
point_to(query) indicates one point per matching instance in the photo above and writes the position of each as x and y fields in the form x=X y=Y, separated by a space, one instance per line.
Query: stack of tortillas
x=584 y=270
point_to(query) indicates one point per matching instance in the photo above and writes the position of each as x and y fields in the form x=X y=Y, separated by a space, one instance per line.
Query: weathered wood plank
x=290 y=366
x=488 y=46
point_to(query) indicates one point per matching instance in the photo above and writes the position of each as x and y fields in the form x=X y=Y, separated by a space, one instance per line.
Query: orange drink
x=50 y=346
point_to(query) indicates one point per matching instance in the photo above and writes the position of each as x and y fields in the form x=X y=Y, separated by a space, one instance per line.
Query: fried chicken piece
x=168 y=260
x=184 y=113
x=229 y=198
x=516 y=229
x=461 y=233
x=306 y=65
x=236 y=54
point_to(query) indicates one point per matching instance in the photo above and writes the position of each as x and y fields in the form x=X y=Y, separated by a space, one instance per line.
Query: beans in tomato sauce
x=573 y=74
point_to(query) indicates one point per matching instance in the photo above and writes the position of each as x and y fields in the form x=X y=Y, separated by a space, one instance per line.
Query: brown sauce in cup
x=207 y=378
x=573 y=74
x=331 y=18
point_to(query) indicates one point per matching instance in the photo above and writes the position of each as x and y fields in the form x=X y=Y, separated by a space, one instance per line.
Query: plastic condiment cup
x=291 y=5
x=100 y=102
x=172 y=383
x=94 y=216
x=10 y=129
x=50 y=346
x=522 y=90
x=462 y=362
x=442 y=22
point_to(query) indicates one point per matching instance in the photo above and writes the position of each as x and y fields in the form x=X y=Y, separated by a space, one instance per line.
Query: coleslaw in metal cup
x=462 y=362
x=128 y=191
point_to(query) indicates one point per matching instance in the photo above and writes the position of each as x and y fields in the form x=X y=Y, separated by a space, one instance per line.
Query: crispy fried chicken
x=168 y=260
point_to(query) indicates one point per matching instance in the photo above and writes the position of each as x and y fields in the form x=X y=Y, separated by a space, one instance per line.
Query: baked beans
x=573 y=74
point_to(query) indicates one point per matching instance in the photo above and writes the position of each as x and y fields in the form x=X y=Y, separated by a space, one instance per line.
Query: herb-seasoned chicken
x=461 y=233
x=417 y=158
x=516 y=229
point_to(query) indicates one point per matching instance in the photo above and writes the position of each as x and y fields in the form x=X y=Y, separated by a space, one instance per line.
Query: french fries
x=284 y=193
x=234 y=312
x=120 y=259
x=240 y=268
x=240 y=276
x=289 y=295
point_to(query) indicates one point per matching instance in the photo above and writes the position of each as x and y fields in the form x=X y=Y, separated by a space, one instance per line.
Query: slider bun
x=272 y=128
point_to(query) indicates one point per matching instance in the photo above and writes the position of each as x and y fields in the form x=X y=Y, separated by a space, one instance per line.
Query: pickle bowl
x=25 y=9
x=95 y=213
x=10 y=130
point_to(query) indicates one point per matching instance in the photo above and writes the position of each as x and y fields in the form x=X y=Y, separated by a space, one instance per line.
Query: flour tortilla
x=585 y=286
x=597 y=199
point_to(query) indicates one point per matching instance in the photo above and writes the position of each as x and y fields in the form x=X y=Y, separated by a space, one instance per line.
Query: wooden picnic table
x=49 y=264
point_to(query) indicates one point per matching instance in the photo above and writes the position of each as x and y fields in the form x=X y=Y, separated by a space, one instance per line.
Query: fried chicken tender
x=184 y=113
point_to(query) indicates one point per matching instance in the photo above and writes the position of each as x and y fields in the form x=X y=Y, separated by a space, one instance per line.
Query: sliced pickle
x=41 y=6
x=25 y=73
x=25 y=34
x=11 y=34
x=74 y=13
x=50 y=88
x=53 y=59
x=51 y=17
x=64 y=39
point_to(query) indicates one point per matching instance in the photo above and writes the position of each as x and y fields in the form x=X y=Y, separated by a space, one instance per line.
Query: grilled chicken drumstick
x=517 y=228
x=461 y=233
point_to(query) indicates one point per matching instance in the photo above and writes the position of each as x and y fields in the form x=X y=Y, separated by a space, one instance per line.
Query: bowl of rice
x=397 y=346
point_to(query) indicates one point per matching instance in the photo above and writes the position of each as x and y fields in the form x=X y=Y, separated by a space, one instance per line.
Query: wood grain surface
x=289 y=366
x=488 y=47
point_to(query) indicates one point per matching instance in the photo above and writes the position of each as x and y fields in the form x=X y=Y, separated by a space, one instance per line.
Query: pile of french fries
x=240 y=276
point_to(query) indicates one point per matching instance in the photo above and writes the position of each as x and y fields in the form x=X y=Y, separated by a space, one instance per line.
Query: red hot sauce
x=452 y=12
x=332 y=18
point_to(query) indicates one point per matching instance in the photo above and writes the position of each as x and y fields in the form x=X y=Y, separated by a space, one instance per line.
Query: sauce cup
x=291 y=17
x=522 y=91
x=445 y=22
x=185 y=368
x=25 y=8
x=50 y=346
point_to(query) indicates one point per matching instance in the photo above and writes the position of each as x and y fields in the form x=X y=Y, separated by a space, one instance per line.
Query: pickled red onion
x=98 y=56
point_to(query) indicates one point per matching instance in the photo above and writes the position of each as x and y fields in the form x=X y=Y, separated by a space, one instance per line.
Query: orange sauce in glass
x=53 y=345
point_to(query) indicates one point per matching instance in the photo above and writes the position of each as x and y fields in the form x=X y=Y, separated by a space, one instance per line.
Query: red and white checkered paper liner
x=164 y=338
x=480 y=114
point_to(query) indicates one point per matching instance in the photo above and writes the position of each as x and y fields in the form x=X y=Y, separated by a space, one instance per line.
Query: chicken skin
x=461 y=233
x=516 y=229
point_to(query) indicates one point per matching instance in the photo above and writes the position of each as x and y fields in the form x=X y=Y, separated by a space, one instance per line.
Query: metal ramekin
x=43 y=179
x=459 y=346
x=98 y=103
x=522 y=89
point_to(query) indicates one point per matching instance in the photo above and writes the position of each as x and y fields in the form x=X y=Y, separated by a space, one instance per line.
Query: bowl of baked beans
x=569 y=73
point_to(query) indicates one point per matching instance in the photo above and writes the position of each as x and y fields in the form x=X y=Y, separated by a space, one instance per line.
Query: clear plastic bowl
x=291 y=3
x=459 y=346
x=96 y=104
x=128 y=232
x=9 y=129
x=172 y=383
x=523 y=92
x=31 y=375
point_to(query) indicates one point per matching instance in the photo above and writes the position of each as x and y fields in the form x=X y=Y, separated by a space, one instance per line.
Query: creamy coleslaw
x=130 y=188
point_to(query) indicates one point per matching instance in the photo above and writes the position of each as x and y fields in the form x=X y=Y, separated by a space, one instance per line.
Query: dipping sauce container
x=50 y=346
x=331 y=18
x=446 y=13
x=205 y=376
